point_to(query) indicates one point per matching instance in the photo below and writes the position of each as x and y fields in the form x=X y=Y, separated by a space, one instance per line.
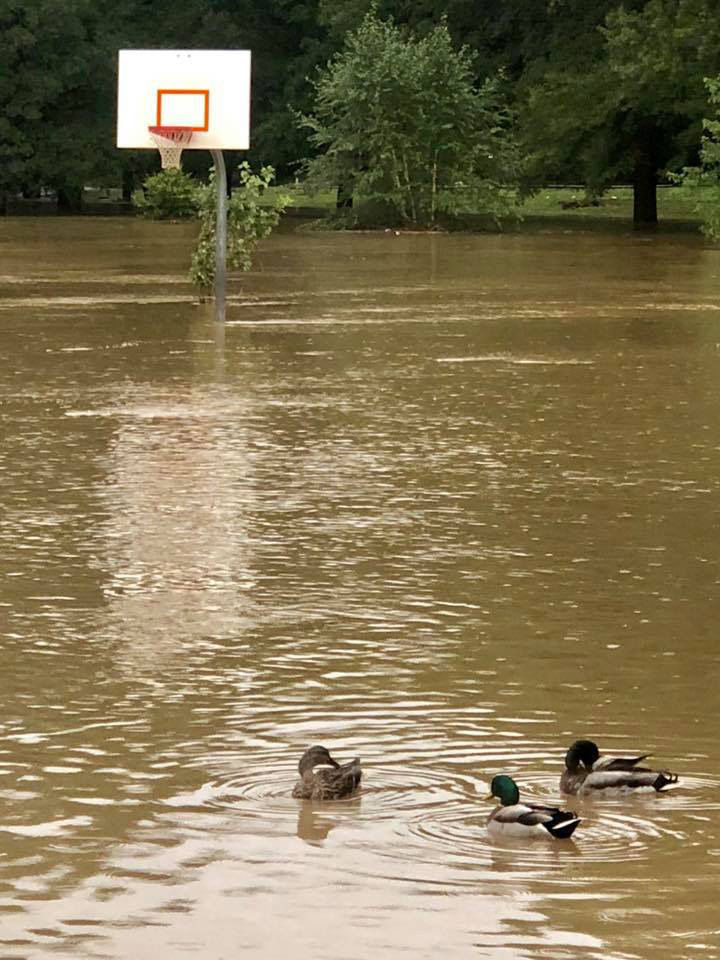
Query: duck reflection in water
x=314 y=824
x=323 y=778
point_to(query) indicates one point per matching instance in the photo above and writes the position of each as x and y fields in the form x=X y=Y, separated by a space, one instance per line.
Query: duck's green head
x=582 y=751
x=505 y=789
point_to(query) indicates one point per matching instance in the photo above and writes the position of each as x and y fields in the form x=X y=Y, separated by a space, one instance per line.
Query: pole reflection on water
x=445 y=503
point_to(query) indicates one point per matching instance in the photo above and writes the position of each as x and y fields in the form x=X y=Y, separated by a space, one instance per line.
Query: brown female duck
x=322 y=778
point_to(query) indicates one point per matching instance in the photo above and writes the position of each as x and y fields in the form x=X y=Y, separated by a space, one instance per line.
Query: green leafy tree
x=620 y=95
x=703 y=180
x=253 y=213
x=401 y=119
x=57 y=92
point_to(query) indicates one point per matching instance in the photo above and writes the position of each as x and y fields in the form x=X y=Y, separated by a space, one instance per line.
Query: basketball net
x=170 y=142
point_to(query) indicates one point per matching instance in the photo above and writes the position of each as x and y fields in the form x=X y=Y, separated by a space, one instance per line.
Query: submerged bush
x=253 y=213
x=168 y=195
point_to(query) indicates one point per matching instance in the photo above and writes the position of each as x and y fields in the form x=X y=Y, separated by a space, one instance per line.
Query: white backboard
x=208 y=90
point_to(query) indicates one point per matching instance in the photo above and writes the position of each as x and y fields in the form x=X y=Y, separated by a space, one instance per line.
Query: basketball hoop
x=170 y=142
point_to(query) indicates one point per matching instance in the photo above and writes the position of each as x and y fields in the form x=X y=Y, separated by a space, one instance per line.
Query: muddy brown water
x=444 y=503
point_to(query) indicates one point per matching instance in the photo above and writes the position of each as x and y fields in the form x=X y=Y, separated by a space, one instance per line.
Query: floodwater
x=445 y=503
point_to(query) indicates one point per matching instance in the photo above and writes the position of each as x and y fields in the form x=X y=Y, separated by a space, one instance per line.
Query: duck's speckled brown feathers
x=322 y=778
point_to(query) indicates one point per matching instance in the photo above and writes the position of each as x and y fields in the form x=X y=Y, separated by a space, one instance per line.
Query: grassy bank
x=556 y=204
x=617 y=204
x=673 y=204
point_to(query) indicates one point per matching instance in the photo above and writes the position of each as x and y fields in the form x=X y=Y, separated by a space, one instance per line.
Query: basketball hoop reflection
x=178 y=486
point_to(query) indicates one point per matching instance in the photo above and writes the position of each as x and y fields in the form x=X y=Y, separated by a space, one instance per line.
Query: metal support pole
x=220 y=234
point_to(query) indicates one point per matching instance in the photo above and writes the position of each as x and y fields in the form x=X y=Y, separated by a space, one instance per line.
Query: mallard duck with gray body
x=515 y=819
x=322 y=778
x=586 y=772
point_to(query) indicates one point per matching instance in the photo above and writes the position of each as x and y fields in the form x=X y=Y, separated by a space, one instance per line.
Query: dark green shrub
x=168 y=195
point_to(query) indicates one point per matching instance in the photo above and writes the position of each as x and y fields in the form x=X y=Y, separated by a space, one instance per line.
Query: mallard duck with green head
x=515 y=819
x=586 y=772
x=323 y=778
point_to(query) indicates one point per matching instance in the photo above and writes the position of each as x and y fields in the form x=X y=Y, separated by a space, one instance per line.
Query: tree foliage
x=402 y=120
x=253 y=213
x=703 y=180
x=624 y=100
x=56 y=92
x=605 y=91
x=168 y=195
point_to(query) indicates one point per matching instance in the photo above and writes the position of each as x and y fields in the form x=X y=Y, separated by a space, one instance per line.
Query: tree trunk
x=409 y=185
x=344 y=198
x=433 y=191
x=70 y=199
x=644 y=191
x=128 y=184
x=3 y=203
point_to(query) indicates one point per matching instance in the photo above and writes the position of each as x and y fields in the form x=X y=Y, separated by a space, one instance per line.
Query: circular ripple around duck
x=398 y=793
x=696 y=794
x=386 y=793
x=444 y=813
x=699 y=793
x=254 y=793
x=609 y=832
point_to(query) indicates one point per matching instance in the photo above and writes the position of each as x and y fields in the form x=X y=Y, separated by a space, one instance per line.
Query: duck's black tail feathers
x=562 y=825
x=664 y=779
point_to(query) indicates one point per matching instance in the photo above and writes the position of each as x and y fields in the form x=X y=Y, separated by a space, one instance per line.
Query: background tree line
x=600 y=92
